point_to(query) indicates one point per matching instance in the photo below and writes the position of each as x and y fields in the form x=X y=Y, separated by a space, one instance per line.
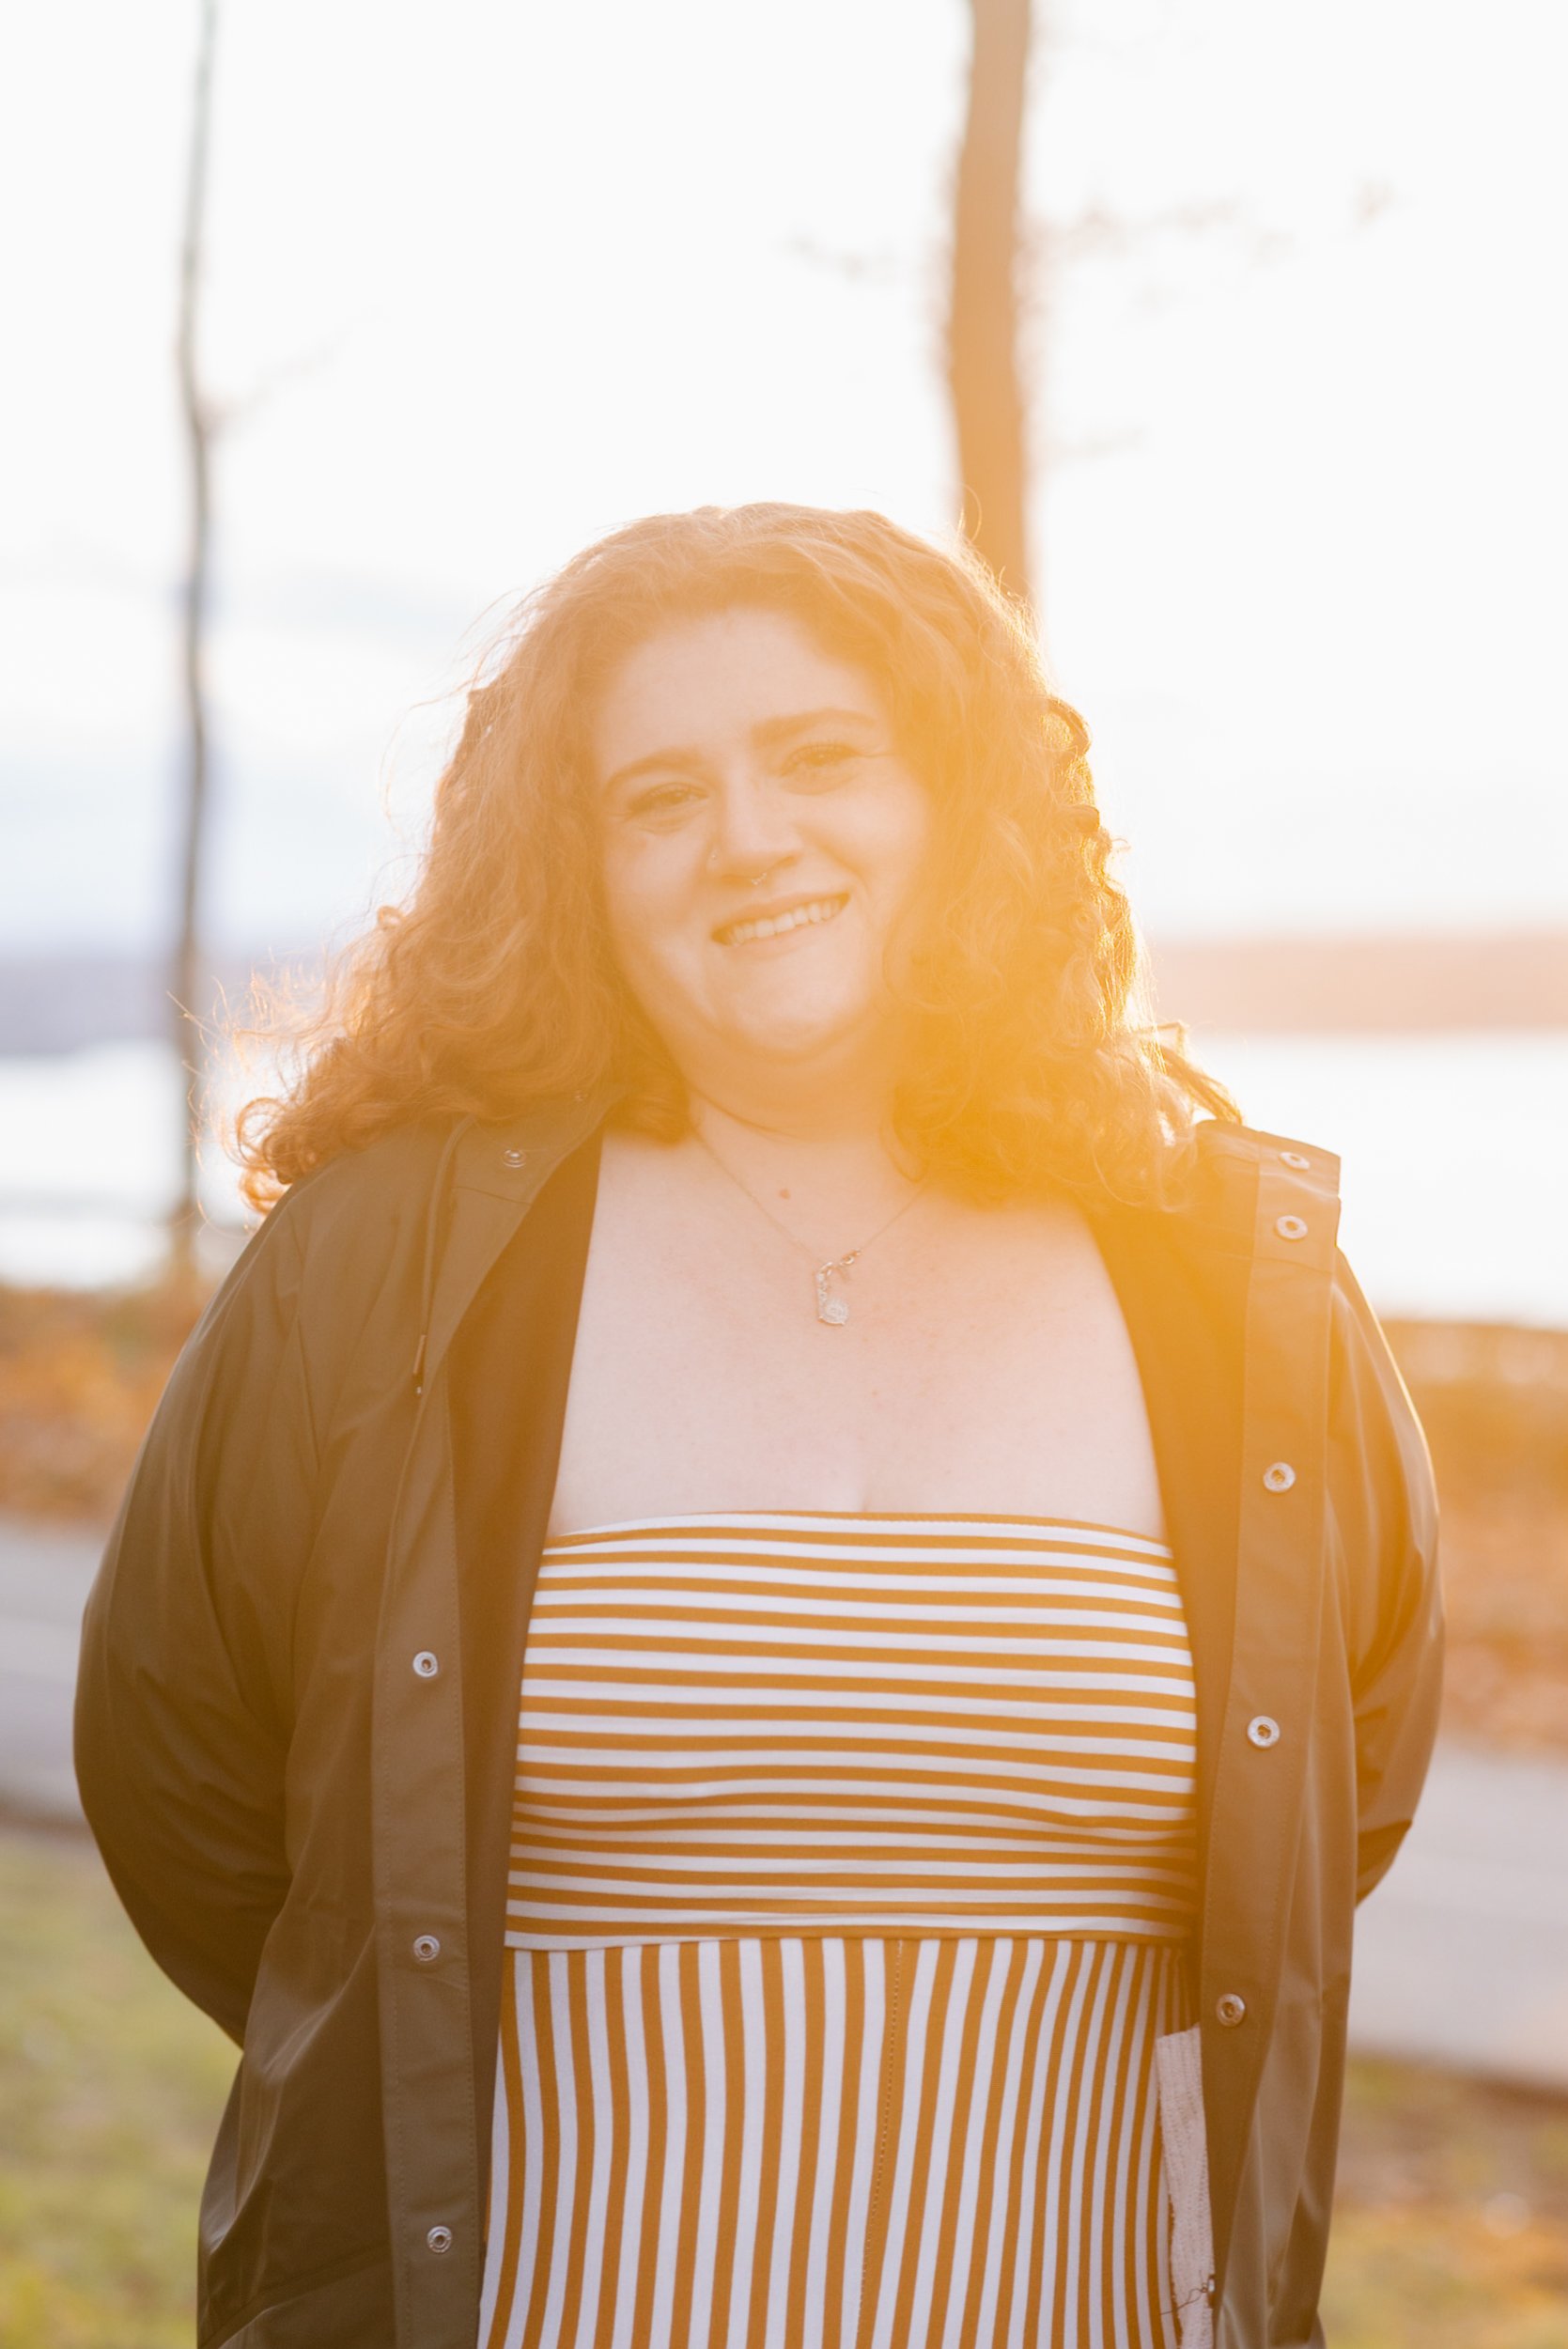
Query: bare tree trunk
x=982 y=355
x=189 y=1006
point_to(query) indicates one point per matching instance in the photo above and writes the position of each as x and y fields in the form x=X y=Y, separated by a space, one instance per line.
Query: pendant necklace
x=832 y=1306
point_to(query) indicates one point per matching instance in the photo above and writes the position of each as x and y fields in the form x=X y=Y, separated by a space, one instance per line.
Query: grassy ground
x=1450 y=2227
x=109 y=2091
x=1452 y=2231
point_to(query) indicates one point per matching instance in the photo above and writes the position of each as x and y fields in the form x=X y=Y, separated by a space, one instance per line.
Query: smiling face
x=760 y=835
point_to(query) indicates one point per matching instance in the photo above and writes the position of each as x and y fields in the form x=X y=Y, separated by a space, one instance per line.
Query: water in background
x=1453 y=1147
x=89 y=1157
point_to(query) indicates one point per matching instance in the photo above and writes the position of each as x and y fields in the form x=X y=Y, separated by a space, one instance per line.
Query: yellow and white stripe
x=853 y=1857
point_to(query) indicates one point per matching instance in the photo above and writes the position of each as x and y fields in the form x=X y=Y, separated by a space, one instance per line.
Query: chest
x=985 y=1365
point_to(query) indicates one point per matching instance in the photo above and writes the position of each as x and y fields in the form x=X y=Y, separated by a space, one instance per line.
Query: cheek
x=903 y=838
x=646 y=893
x=627 y=909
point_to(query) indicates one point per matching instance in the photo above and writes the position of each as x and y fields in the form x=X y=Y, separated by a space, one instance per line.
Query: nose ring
x=756 y=881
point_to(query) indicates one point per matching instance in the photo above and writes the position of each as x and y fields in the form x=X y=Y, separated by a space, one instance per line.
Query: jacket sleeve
x=182 y=1694
x=1386 y=1503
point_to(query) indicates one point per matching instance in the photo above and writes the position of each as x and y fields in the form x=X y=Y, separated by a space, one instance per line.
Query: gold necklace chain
x=831 y=1307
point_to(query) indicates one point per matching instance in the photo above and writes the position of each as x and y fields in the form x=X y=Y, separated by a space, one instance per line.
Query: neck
x=838 y=1099
x=806 y=1105
x=833 y=1156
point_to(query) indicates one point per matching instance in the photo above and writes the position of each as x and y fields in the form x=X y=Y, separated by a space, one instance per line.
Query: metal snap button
x=1290 y=1227
x=425 y=1665
x=427 y=1947
x=1294 y=1157
x=1279 y=1476
x=1229 y=2008
x=1264 y=1730
x=514 y=1158
x=440 y=2239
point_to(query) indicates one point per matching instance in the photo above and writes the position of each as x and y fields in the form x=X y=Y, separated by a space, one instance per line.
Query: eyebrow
x=771 y=732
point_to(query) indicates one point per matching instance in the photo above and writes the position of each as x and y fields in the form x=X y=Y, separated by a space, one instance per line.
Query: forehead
x=719 y=677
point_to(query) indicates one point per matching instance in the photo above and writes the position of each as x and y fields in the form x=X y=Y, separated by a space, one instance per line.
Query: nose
x=751 y=832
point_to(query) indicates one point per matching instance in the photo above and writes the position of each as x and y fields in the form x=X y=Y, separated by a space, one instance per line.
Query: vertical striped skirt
x=852 y=2142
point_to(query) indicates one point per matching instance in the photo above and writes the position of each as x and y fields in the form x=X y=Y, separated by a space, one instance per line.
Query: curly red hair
x=494 y=986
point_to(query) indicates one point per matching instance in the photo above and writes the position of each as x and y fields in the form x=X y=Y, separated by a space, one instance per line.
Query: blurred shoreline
x=1450 y=1147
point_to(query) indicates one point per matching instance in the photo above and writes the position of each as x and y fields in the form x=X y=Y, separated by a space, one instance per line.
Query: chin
x=788 y=1032
x=792 y=1045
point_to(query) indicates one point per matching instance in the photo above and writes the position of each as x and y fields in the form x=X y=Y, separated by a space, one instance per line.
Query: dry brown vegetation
x=80 y=1374
x=1493 y=1402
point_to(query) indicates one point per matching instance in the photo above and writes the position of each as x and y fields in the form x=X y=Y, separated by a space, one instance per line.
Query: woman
x=764 y=1641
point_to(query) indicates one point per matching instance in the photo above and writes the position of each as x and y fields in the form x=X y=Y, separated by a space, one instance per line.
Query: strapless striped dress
x=852 y=1867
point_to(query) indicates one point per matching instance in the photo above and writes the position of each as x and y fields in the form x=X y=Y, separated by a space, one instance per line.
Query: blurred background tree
x=187 y=979
x=988 y=398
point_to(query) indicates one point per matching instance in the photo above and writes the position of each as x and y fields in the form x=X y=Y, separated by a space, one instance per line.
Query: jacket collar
x=488 y=1177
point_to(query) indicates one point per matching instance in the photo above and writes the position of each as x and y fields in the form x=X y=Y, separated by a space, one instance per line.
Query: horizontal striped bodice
x=752 y=1723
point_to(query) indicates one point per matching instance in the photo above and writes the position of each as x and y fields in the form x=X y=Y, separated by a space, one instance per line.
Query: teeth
x=819 y=909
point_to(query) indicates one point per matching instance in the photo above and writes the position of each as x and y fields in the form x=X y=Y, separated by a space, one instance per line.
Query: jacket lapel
x=1184 y=1308
x=1227 y=1304
x=508 y=1374
x=469 y=1524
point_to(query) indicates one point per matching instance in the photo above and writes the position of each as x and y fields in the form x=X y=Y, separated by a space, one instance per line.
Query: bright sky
x=488 y=280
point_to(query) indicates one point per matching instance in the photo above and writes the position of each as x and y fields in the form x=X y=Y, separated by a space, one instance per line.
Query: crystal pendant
x=831 y=1307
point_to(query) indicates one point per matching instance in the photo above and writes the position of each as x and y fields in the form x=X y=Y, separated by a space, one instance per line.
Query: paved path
x=44 y=1579
x=1462 y=1951
x=1461 y=1954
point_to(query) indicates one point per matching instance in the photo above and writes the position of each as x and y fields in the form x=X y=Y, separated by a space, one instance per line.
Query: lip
x=772 y=909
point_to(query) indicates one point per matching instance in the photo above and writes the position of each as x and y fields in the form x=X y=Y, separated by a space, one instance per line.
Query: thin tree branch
x=185 y=974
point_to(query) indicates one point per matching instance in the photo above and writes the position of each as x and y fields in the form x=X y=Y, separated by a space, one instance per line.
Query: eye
x=664 y=801
x=824 y=759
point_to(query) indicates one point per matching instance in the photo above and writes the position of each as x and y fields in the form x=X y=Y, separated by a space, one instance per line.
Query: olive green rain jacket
x=296 y=1722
